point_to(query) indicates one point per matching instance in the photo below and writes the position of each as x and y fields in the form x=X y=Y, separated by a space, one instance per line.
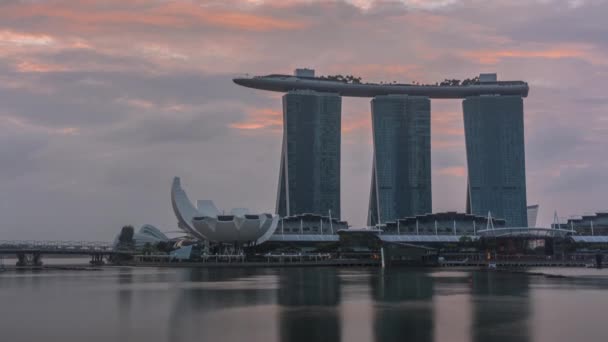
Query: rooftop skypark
x=349 y=85
x=350 y=79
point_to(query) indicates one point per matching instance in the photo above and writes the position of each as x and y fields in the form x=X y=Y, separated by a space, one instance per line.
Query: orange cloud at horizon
x=88 y=14
x=251 y=22
x=247 y=125
x=447 y=144
x=25 y=39
x=355 y=122
x=566 y=51
x=446 y=124
x=29 y=66
x=271 y=119
x=261 y=119
x=454 y=171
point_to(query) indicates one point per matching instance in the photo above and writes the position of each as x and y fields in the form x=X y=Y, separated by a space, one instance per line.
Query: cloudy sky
x=103 y=102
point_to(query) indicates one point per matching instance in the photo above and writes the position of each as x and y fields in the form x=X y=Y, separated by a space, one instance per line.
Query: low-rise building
x=596 y=224
x=446 y=223
x=309 y=224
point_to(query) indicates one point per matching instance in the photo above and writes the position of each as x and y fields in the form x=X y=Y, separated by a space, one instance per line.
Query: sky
x=103 y=102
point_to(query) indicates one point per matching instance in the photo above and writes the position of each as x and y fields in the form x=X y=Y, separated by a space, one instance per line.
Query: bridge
x=29 y=252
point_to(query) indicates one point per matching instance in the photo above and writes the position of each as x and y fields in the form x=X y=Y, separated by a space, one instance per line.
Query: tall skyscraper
x=309 y=180
x=401 y=171
x=494 y=134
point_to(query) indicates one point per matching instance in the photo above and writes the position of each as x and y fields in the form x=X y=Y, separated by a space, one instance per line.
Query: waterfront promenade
x=470 y=260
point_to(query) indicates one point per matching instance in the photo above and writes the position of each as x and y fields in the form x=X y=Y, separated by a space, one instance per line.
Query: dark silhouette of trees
x=164 y=246
x=125 y=239
x=344 y=79
x=447 y=82
x=147 y=249
x=455 y=82
x=470 y=81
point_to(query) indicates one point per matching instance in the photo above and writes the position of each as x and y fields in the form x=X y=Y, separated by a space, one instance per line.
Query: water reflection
x=222 y=305
x=501 y=307
x=125 y=302
x=309 y=299
x=403 y=305
x=452 y=305
x=306 y=304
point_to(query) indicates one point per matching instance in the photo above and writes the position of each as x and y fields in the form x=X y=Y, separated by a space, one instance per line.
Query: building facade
x=494 y=135
x=306 y=224
x=447 y=223
x=596 y=224
x=532 y=215
x=309 y=180
x=401 y=170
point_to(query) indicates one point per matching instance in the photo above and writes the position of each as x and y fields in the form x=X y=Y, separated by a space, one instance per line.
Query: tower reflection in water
x=403 y=306
x=309 y=299
x=222 y=305
x=307 y=304
x=501 y=307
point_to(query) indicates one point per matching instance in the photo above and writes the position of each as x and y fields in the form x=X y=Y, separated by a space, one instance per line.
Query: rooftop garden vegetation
x=340 y=78
x=350 y=79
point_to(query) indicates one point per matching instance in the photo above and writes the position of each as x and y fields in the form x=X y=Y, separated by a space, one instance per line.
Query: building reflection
x=205 y=292
x=501 y=307
x=125 y=303
x=309 y=299
x=403 y=306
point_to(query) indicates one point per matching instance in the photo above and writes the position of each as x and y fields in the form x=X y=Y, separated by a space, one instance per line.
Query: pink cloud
x=18 y=124
x=25 y=39
x=447 y=144
x=261 y=119
x=355 y=122
x=446 y=125
x=90 y=14
x=31 y=66
x=558 y=52
x=454 y=171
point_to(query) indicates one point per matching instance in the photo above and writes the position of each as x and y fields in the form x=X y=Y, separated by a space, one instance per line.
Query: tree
x=164 y=246
x=125 y=239
x=147 y=250
x=470 y=81
x=341 y=78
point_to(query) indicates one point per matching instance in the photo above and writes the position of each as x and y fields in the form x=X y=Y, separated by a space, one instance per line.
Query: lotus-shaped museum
x=206 y=222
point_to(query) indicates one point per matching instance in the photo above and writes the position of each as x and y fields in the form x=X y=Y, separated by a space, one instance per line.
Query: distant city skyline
x=102 y=104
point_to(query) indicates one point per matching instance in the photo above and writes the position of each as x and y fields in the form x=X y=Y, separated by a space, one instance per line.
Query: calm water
x=307 y=304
